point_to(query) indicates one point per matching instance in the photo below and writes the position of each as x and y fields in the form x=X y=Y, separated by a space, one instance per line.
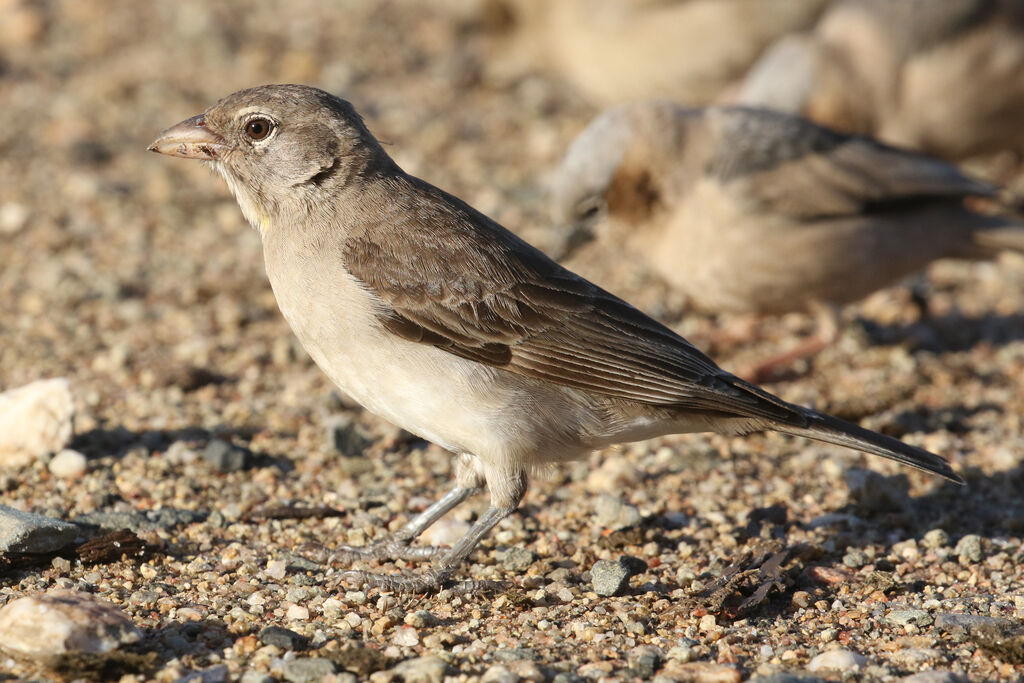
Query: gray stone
x=855 y=558
x=140 y=521
x=609 y=577
x=62 y=622
x=915 y=657
x=614 y=513
x=283 y=638
x=26 y=532
x=307 y=669
x=225 y=456
x=421 y=670
x=961 y=624
x=516 y=559
x=514 y=654
x=215 y=674
x=788 y=677
x=567 y=677
x=969 y=548
x=645 y=660
x=903 y=617
x=144 y=598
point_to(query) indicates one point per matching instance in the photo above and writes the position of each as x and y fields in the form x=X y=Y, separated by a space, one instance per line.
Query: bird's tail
x=835 y=431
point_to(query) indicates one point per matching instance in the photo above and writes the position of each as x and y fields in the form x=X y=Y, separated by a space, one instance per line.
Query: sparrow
x=610 y=51
x=751 y=210
x=434 y=317
x=940 y=77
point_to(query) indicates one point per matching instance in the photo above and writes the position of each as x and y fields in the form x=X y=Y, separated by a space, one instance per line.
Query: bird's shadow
x=118 y=441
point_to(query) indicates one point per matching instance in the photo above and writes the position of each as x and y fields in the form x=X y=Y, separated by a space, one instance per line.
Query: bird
x=609 y=51
x=755 y=211
x=939 y=77
x=438 y=319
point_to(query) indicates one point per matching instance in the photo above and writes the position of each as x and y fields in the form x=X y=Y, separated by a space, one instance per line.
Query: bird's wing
x=447 y=276
x=790 y=165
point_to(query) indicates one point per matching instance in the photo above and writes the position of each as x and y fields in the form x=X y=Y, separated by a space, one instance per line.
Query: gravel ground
x=135 y=277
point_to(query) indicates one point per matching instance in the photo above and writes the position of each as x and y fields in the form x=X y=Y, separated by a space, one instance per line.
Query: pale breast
x=461 y=405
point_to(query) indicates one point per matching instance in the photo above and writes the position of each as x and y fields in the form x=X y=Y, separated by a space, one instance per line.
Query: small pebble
x=421 y=619
x=68 y=464
x=611 y=512
x=517 y=559
x=968 y=548
x=421 y=670
x=499 y=673
x=283 y=638
x=307 y=669
x=936 y=538
x=838 y=660
x=609 y=577
x=405 y=636
x=276 y=569
x=297 y=613
x=904 y=617
x=224 y=456
x=251 y=676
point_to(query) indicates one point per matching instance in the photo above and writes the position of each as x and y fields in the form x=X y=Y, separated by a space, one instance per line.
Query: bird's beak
x=190 y=139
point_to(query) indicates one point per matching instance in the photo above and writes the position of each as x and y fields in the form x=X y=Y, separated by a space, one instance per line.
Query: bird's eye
x=259 y=128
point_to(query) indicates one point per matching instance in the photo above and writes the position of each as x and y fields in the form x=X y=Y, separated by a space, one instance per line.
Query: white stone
x=297 y=613
x=838 y=660
x=68 y=464
x=276 y=569
x=406 y=636
x=35 y=419
x=13 y=217
x=64 y=621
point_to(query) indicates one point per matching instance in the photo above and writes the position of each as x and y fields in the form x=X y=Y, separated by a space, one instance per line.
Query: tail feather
x=841 y=433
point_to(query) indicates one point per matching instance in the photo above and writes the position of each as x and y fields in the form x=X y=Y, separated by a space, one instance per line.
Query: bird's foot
x=389 y=548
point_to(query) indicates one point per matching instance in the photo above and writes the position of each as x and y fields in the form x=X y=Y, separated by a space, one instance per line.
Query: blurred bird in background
x=941 y=77
x=612 y=51
x=756 y=211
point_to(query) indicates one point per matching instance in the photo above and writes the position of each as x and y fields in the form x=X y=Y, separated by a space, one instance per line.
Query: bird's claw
x=429 y=581
x=386 y=549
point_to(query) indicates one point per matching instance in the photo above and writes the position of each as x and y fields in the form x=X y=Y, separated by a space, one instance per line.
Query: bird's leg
x=396 y=546
x=504 y=500
x=827 y=323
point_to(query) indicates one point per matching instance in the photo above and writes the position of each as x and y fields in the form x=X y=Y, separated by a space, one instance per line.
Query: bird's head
x=278 y=146
x=616 y=172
